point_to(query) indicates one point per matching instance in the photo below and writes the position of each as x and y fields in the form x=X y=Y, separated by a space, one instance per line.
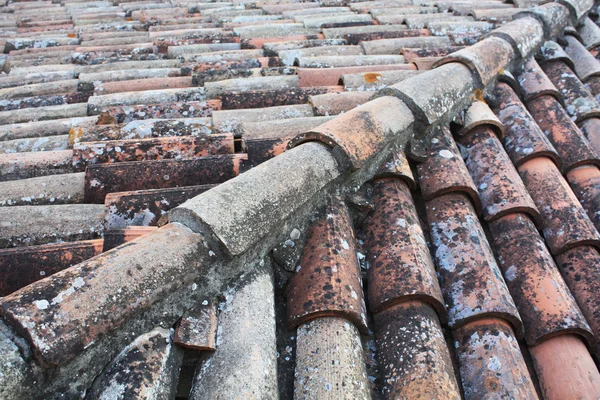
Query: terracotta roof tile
x=565 y=368
x=534 y=82
x=345 y=134
x=327 y=281
x=579 y=268
x=564 y=222
x=589 y=128
x=310 y=77
x=145 y=207
x=445 y=171
x=102 y=179
x=116 y=237
x=570 y=144
x=524 y=139
x=332 y=346
x=400 y=267
x=197 y=328
x=580 y=104
x=160 y=360
x=412 y=353
x=491 y=362
x=179 y=148
x=23 y=266
x=397 y=166
x=544 y=301
x=585 y=183
x=479 y=114
x=50 y=302
x=143 y=83
x=499 y=185
x=470 y=278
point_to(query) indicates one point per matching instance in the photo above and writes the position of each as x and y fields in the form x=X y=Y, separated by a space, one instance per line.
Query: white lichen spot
x=41 y=304
x=446 y=154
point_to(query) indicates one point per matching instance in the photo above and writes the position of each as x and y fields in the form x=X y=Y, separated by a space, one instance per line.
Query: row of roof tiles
x=482 y=330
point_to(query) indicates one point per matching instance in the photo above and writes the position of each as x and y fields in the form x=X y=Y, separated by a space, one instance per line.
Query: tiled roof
x=388 y=199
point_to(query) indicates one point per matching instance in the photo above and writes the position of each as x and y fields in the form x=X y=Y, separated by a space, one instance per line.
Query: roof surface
x=389 y=199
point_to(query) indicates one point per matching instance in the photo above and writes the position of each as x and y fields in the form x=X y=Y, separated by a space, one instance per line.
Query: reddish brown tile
x=273 y=98
x=261 y=150
x=593 y=85
x=144 y=84
x=400 y=266
x=327 y=280
x=580 y=267
x=356 y=38
x=479 y=114
x=116 y=237
x=542 y=297
x=590 y=128
x=485 y=59
x=412 y=354
x=197 y=329
x=491 y=363
x=444 y=171
x=580 y=103
x=534 y=82
x=585 y=182
x=101 y=179
x=310 y=77
x=470 y=278
x=524 y=139
x=500 y=187
x=565 y=369
x=572 y=147
x=183 y=147
x=145 y=207
x=397 y=166
x=585 y=64
x=75 y=307
x=564 y=222
x=362 y=132
x=188 y=109
x=23 y=266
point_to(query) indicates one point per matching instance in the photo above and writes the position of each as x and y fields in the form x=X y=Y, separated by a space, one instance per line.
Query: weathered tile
x=500 y=187
x=564 y=222
x=400 y=266
x=327 y=281
x=491 y=363
x=409 y=336
x=362 y=132
x=116 y=237
x=570 y=143
x=102 y=179
x=444 y=171
x=113 y=286
x=145 y=207
x=524 y=140
x=471 y=281
x=147 y=368
x=164 y=148
x=33 y=225
x=22 y=266
x=585 y=183
x=542 y=297
x=197 y=328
